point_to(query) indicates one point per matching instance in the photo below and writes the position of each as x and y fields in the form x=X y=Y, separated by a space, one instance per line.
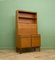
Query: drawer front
x=25 y=42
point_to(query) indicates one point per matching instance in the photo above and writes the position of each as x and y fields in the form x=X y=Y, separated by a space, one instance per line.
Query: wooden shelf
x=27 y=18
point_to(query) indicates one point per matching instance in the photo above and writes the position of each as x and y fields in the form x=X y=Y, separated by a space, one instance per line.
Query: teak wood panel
x=27 y=21
x=27 y=29
x=36 y=41
x=25 y=42
x=18 y=42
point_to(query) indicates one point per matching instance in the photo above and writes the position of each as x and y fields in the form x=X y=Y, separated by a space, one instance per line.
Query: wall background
x=46 y=21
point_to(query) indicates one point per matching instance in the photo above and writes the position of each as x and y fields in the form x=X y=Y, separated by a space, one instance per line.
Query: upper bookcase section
x=26 y=16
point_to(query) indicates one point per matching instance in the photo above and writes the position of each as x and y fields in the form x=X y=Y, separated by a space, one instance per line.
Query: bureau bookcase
x=26 y=30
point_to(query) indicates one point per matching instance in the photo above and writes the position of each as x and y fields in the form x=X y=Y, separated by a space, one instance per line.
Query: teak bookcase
x=26 y=30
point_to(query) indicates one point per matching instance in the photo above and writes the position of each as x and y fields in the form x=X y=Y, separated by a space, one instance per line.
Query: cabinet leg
x=34 y=49
x=20 y=51
x=39 y=48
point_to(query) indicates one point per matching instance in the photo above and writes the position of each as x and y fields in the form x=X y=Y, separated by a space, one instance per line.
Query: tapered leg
x=39 y=48
x=20 y=51
x=34 y=49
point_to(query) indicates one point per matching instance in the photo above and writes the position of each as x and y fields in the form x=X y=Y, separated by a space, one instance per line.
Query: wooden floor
x=47 y=54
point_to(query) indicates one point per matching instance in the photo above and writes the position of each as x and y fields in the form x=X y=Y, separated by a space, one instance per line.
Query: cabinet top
x=24 y=11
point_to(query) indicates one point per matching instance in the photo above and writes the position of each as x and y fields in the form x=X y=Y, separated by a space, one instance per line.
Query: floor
x=48 y=54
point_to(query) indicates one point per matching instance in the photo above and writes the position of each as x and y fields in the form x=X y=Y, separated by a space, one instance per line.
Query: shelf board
x=26 y=23
x=27 y=18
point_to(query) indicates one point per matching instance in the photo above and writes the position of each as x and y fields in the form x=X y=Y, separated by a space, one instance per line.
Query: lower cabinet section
x=35 y=41
x=24 y=42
